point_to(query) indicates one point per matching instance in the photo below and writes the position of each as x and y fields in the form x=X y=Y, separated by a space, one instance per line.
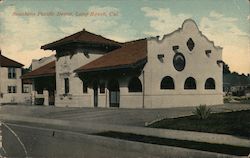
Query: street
x=62 y=132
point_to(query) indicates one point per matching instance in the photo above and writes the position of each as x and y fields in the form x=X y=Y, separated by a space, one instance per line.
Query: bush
x=202 y=112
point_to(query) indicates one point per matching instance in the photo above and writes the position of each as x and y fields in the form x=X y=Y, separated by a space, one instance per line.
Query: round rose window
x=179 y=61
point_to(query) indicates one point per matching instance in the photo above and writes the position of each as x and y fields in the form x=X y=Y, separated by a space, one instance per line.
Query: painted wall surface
x=17 y=97
x=65 y=67
x=129 y=99
x=198 y=65
x=41 y=62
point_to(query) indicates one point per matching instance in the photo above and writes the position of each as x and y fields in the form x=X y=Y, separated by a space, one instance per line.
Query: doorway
x=114 y=93
x=51 y=97
x=95 y=88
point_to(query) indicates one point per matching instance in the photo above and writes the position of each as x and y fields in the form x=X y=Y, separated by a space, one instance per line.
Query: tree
x=226 y=69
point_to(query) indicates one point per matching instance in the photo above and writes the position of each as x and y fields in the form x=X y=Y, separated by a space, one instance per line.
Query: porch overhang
x=136 y=65
x=48 y=70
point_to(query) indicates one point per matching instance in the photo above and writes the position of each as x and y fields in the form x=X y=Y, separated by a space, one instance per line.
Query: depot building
x=184 y=68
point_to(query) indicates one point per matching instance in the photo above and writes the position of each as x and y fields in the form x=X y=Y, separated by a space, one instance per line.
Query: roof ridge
x=69 y=36
x=79 y=34
x=102 y=36
x=137 y=40
x=79 y=37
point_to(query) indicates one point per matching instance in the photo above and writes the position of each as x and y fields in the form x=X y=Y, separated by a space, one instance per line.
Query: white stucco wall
x=36 y=63
x=198 y=66
x=64 y=69
x=17 y=97
x=129 y=99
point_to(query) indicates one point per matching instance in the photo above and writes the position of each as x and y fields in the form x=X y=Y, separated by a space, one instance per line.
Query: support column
x=33 y=97
x=46 y=97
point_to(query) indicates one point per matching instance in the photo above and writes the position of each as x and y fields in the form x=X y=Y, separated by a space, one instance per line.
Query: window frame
x=193 y=87
x=102 y=87
x=165 y=84
x=207 y=84
x=131 y=88
x=66 y=86
x=177 y=65
x=26 y=89
x=11 y=73
x=84 y=87
x=12 y=89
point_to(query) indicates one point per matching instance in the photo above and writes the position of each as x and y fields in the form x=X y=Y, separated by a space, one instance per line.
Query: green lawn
x=219 y=148
x=232 y=123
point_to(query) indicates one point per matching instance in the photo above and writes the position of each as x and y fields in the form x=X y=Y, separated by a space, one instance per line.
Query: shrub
x=202 y=112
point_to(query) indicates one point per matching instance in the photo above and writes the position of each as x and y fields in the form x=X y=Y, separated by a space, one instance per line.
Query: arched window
x=210 y=83
x=167 y=83
x=135 y=85
x=190 y=83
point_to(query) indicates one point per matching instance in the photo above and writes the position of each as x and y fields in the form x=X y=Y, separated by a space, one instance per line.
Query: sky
x=28 y=24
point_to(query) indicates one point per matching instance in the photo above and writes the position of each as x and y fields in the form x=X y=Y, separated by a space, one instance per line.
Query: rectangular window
x=11 y=89
x=14 y=89
x=84 y=87
x=102 y=88
x=11 y=73
x=26 y=89
x=66 y=85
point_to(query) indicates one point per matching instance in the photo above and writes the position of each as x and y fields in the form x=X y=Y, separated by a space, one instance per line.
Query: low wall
x=131 y=100
x=135 y=100
x=14 y=98
x=73 y=101
x=181 y=100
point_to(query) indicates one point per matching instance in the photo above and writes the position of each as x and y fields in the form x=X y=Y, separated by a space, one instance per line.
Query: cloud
x=215 y=14
x=107 y=22
x=163 y=21
x=22 y=36
x=222 y=29
x=225 y=32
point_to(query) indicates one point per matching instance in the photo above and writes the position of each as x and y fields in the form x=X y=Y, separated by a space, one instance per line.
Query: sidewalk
x=163 y=133
x=132 y=117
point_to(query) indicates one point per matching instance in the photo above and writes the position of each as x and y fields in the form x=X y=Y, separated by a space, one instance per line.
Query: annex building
x=12 y=90
x=183 y=68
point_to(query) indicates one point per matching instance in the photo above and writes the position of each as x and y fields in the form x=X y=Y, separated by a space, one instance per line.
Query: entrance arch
x=114 y=93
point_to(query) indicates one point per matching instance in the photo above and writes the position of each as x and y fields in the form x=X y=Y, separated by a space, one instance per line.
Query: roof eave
x=132 y=65
x=13 y=66
x=52 y=46
x=37 y=76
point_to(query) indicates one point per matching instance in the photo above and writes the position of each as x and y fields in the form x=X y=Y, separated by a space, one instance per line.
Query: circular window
x=179 y=61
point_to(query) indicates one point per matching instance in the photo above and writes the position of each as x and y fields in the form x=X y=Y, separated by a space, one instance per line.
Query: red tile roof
x=130 y=53
x=43 y=71
x=81 y=37
x=6 y=62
